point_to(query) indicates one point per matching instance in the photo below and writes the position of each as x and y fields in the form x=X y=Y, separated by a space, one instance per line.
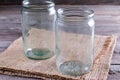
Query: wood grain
x=87 y=2
x=80 y=2
x=10 y=23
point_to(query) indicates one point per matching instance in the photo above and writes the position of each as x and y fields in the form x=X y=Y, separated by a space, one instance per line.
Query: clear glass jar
x=38 y=19
x=74 y=40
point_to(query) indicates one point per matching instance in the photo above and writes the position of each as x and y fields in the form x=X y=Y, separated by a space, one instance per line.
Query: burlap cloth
x=13 y=62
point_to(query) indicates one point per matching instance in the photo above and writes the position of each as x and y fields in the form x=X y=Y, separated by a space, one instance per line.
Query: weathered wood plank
x=5 y=77
x=85 y=2
x=8 y=37
x=115 y=2
x=4 y=43
x=114 y=75
x=116 y=60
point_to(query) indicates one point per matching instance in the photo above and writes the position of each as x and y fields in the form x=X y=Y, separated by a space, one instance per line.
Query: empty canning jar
x=38 y=18
x=74 y=40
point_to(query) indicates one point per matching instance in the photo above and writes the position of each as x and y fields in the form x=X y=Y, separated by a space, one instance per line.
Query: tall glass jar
x=74 y=40
x=38 y=19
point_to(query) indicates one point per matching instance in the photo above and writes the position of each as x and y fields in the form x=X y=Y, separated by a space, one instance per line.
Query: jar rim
x=39 y=5
x=75 y=11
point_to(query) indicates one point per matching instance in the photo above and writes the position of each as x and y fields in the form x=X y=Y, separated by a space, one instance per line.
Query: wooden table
x=107 y=23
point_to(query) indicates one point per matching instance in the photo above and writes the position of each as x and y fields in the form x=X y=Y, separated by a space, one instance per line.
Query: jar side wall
x=75 y=35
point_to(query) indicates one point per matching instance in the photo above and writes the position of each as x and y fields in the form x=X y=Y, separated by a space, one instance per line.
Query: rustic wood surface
x=73 y=2
x=107 y=23
x=88 y=2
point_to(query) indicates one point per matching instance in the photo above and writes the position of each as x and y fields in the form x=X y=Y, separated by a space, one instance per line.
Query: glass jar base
x=39 y=54
x=74 y=68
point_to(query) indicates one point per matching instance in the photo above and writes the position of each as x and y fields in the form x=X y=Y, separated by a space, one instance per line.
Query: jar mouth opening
x=38 y=5
x=75 y=12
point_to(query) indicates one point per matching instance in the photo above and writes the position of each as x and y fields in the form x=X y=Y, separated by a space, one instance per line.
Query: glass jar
x=38 y=19
x=74 y=40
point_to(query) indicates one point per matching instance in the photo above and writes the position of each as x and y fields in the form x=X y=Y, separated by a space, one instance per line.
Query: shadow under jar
x=74 y=40
x=38 y=19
